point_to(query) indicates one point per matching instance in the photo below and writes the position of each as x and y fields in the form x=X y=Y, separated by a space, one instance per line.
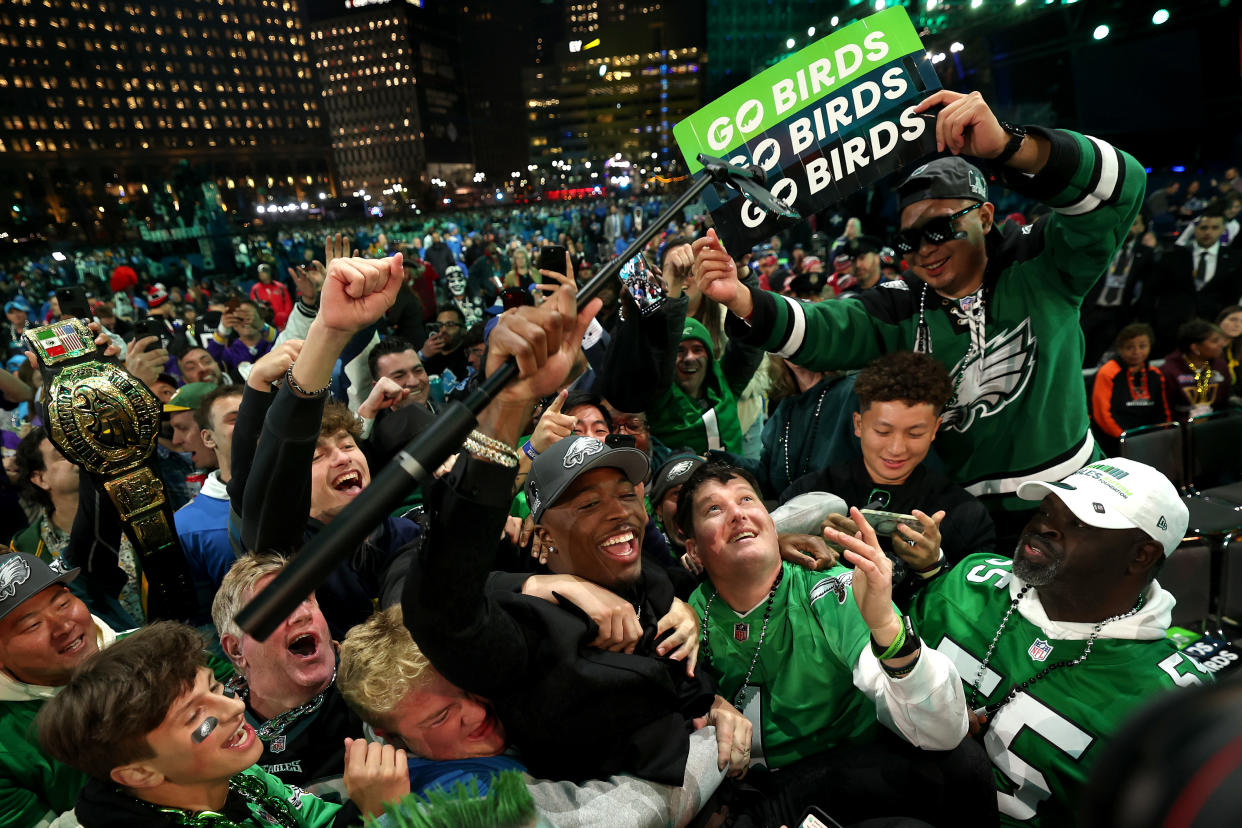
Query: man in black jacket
x=1195 y=281
x=573 y=712
x=1118 y=298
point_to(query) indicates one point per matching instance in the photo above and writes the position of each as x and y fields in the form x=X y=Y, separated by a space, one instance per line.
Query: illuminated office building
x=393 y=94
x=626 y=73
x=100 y=101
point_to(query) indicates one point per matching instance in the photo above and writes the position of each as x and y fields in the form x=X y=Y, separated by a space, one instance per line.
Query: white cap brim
x=1081 y=501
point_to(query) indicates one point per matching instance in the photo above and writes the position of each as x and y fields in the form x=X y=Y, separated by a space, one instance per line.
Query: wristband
x=299 y=390
x=529 y=450
x=899 y=672
x=906 y=643
x=927 y=570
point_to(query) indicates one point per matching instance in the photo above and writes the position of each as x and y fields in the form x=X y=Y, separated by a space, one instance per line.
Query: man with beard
x=197 y=365
x=443 y=346
x=1056 y=646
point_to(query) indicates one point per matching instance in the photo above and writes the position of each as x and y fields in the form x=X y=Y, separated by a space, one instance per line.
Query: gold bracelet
x=492 y=443
x=508 y=461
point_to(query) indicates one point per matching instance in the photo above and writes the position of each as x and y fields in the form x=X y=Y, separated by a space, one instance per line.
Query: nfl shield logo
x=741 y=632
x=1040 y=650
x=279 y=744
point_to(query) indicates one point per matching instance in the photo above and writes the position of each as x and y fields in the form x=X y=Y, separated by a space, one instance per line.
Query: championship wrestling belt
x=106 y=422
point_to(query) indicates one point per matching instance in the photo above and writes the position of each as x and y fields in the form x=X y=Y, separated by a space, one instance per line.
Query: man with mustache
x=1057 y=645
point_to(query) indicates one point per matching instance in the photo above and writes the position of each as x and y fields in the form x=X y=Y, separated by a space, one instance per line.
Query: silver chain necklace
x=767 y=615
x=1017 y=688
x=789 y=478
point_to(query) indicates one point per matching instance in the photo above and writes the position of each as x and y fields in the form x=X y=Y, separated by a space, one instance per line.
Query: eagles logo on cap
x=582 y=448
x=13 y=573
x=679 y=469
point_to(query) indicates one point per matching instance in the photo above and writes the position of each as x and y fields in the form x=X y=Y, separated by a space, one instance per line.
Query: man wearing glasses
x=998 y=305
x=443 y=346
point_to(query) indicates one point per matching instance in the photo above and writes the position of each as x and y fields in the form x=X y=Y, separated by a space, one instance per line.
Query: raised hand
x=271 y=367
x=543 y=340
x=357 y=292
x=872 y=584
x=386 y=394
x=966 y=124
x=715 y=275
x=145 y=362
x=308 y=281
x=336 y=246
x=553 y=426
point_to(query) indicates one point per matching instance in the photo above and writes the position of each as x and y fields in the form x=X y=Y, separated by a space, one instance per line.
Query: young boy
x=1128 y=392
x=164 y=744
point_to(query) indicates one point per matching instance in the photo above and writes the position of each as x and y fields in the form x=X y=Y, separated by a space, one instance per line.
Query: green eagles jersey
x=1019 y=409
x=801 y=696
x=1044 y=742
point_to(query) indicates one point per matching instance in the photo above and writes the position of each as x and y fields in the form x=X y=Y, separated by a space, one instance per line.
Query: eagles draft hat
x=555 y=469
x=1120 y=494
x=943 y=178
x=673 y=473
x=23 y=576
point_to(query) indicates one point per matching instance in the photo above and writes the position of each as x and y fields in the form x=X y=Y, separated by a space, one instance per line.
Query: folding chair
x=1215 y=455
x=1187 y=574
x=1211 y=520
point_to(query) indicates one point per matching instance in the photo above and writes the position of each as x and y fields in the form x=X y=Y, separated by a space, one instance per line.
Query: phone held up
x=552 y=258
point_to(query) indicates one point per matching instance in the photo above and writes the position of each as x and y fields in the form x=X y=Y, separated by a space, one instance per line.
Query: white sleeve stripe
x=794 y=342
x=1105 y=188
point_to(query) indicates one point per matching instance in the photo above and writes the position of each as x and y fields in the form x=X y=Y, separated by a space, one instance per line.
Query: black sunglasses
x=935 y=231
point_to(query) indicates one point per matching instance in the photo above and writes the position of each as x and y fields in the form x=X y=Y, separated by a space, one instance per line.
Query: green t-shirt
x=1044 y=742
x=801 y=696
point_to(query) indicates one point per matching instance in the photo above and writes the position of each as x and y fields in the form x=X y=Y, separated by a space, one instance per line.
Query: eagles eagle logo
x=582 y=448
x=13 y=573
x=985 y=385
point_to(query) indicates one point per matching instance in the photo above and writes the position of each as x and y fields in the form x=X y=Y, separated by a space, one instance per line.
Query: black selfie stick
x=426 y=452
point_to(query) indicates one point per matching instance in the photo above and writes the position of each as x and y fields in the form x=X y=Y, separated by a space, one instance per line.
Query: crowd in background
x=277 y=415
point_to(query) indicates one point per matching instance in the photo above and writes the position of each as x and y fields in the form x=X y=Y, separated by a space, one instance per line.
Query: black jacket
x=275 y=509
x=967 y=528
x=1173 y=293
x=572 y=712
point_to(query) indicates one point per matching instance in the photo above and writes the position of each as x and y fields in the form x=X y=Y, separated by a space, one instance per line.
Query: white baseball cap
x=1120 y=494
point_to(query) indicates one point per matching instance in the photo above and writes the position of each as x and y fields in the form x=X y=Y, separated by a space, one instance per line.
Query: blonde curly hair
x=380 y=665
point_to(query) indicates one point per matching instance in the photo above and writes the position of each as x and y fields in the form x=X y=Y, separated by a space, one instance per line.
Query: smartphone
x=885 y=523
x=72 y=301
x=641 y=284
x=816 y=818
x=155 y=328
x=552 y=258
x=233 y=304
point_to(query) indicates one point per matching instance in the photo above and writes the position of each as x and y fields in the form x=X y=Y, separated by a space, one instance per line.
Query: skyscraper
x=393 y=94
x=105 y=104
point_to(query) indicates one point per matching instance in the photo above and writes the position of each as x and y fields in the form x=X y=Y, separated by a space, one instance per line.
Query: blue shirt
x=203 y=529
x=429 y=773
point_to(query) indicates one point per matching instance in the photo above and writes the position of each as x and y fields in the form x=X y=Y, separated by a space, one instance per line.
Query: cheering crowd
x=826 y=524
